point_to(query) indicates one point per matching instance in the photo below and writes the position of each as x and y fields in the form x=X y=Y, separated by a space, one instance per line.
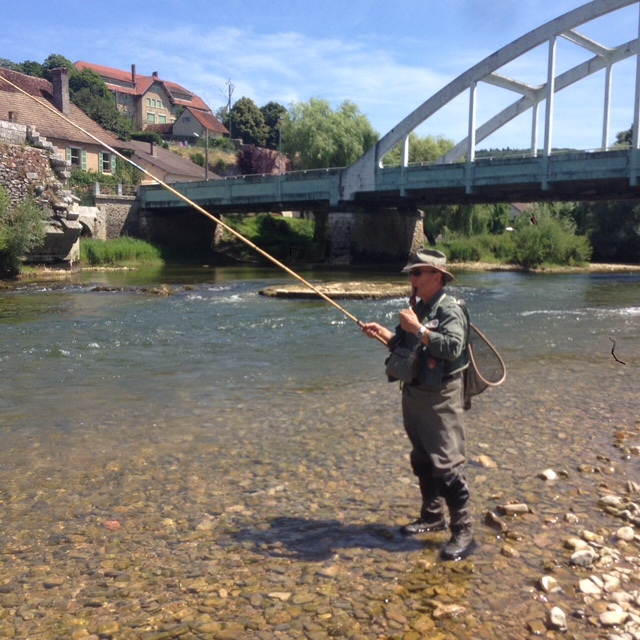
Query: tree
x=248 y=122
x=56 y=61
x=624 y=138
x=21 y=230
x=427 y=149
x=613 y=229
x=274 y=114
x=317 y=137
x=252 y=160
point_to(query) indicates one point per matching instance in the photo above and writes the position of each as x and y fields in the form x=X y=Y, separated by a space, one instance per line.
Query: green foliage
x=198 y=158
x=317 y=137
x=248 y=123
x=287 y=239
x=274 y=114
x=150 y=136
x=90 y=93
x=487 y=247
x=82 y=182
x=613 y=229
x=223 y=144
x=551 y=241
x=624 y=138
x=22 y=229
x=124 y=251
x=427 y=149
x=465 y=220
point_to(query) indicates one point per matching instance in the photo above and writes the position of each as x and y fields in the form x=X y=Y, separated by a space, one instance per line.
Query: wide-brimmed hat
x=429 y=258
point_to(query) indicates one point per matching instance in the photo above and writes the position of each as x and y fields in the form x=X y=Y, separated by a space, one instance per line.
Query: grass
x=123 y=252
x=219 y=160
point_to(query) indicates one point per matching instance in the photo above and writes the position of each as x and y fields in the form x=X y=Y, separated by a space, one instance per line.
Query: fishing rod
x=196 y=206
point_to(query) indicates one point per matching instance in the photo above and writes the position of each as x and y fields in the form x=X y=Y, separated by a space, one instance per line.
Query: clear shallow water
x=131 y=405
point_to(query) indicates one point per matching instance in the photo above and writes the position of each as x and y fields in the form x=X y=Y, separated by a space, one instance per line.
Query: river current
x=263 y=430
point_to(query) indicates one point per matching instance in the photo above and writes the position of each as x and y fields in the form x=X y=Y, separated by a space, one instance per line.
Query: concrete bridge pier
x=384 y=235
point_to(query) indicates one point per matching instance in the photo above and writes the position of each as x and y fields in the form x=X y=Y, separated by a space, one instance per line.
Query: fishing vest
x=434 y=371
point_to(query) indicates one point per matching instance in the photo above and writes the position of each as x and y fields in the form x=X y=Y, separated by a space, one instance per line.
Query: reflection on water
x=274 y=414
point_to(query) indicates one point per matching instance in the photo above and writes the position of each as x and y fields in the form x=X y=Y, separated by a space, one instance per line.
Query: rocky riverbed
x=188 y=529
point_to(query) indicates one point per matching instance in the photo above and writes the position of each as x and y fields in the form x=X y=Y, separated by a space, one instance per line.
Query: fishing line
x=195 y=206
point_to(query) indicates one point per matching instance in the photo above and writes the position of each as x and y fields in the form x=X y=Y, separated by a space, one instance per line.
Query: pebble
x=584 y=557
x=625 y=533
x=613 y=618
x=549 y=584
x=557 y=619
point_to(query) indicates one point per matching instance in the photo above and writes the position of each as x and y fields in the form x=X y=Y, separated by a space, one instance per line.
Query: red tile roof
x=208 y=121
x=46 y=122
x=125 y=84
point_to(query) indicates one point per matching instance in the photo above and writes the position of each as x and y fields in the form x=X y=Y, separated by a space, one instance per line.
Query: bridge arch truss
x=362 y=175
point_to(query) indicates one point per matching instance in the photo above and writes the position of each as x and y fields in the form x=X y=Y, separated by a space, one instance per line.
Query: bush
x=22 y=228
x=124 y=251
x=549 y=242
x=487 y=247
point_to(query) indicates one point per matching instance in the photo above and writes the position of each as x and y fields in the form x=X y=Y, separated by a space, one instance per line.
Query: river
x=170 y=462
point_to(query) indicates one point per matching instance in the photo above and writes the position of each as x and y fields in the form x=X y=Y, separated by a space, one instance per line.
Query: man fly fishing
x=434 y=332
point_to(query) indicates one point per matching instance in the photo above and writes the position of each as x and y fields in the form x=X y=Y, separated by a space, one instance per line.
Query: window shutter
x=83 y=159
x=68 y=154
x=100 y=161
x=112 y=160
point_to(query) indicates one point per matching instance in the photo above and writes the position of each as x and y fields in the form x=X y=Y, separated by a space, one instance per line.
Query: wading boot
x=461 y=544
x=431 y=514
x=424 y=525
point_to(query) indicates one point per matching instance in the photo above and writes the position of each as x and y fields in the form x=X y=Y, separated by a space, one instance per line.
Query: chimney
x=155 y=74
x=133 y=74
x=60 y=81
x=152 y=150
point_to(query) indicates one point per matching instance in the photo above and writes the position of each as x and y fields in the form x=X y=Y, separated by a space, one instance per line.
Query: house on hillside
x=192 y=123
x=152 y=103
x=79 y=149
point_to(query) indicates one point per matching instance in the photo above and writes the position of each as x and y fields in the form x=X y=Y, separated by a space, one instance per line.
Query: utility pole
x=231 y=88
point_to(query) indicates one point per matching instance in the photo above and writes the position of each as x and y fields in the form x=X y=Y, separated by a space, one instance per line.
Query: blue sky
x=385 y=56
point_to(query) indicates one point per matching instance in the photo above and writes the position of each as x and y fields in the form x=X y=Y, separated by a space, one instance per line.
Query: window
x=162 y=119
x=148 y=102
x=151 y=117
x=106 y=163
x=77 y=158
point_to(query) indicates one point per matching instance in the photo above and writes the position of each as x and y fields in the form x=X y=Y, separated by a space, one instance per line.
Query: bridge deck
x=559 y=177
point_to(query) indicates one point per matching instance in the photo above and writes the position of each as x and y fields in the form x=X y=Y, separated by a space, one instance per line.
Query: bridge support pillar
x=382 y=235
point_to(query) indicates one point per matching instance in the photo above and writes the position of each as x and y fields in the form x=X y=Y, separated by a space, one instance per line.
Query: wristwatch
x=421 y=331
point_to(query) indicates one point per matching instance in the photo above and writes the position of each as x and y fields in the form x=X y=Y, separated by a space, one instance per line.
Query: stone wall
x=27 y=171
x=12 y=133
x=36 y=172
x=120 y=214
